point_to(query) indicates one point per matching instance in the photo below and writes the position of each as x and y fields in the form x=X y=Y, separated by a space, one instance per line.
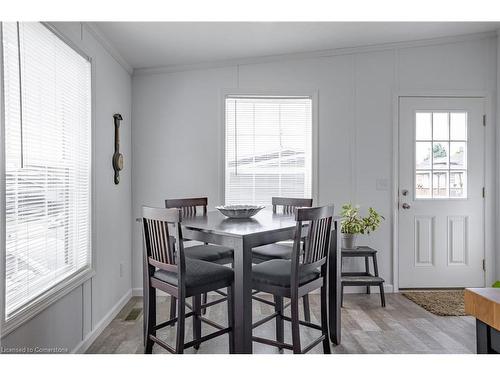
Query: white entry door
x=441 y=203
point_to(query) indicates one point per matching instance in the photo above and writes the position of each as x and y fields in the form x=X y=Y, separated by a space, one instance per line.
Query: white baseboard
x=388 y=288
x=138 y=292
x=104 y=322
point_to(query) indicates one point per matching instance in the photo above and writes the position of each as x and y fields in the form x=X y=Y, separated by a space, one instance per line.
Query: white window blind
x=268 y=148
x=47 y=95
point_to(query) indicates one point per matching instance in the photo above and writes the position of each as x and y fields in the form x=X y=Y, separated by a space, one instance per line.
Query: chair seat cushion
x=273 y=251
x=209 y=253
x=198 y=273
x=278 y=272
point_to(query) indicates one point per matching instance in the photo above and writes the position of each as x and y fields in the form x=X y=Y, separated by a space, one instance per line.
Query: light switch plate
x=382 y=184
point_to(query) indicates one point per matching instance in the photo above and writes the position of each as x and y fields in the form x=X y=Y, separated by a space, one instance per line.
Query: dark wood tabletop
x=262 y=222
x=244 y=234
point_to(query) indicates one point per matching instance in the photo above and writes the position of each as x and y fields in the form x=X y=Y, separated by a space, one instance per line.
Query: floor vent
x=133 y=314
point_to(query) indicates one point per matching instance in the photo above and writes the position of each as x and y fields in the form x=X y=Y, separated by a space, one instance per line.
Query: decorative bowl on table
x=239 y=211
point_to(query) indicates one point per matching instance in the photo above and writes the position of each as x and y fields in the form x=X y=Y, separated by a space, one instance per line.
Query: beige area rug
x=439 y=302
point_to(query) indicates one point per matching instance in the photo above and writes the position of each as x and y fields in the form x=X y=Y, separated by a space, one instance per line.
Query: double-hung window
x=268 y=148
x=46 y=167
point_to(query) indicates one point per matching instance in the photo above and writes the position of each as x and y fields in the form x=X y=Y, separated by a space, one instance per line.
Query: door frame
x=490 y=162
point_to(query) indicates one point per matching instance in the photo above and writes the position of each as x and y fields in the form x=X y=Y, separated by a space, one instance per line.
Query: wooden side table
x=484 y=305
x=362 y=278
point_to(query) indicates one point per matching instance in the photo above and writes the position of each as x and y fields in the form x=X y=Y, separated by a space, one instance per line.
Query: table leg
x=242 y=297
x=334 y=285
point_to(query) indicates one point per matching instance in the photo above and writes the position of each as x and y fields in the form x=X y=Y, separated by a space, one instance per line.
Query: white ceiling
x=159 y=44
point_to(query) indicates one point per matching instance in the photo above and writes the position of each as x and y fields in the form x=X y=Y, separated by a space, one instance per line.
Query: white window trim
x=46 y=299
x=313 y=94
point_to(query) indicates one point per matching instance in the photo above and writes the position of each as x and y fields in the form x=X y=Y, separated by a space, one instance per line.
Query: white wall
x=177 y=122
x=66 y=323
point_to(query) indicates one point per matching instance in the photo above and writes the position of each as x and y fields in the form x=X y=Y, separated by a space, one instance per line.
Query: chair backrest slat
x=165 y=255
x=160 y=249
x=288 y=205
x=317 y=240
x=188 y=206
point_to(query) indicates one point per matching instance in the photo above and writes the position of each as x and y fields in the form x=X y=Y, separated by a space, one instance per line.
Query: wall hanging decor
x=117 y=157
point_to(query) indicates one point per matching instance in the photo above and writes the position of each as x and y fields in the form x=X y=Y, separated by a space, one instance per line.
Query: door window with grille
x=440 y=155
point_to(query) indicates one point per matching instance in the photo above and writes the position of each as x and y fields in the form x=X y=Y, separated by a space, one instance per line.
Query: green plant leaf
x=353 y=224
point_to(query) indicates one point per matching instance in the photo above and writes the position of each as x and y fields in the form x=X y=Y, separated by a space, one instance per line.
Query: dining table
x=242 y=235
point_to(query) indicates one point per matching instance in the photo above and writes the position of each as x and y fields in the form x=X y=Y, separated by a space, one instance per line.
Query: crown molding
x=314 y=54
x=96 y=32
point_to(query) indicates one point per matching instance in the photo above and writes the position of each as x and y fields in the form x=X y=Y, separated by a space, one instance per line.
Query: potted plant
x=353 y=224
x=350 y=226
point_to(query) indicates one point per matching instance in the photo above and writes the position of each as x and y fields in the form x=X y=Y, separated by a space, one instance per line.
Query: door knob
x=405 y=206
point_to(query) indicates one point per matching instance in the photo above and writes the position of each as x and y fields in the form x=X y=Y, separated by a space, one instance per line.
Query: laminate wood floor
x=401 y=327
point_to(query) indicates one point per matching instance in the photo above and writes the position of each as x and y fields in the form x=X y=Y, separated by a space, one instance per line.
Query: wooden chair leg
x=145 y=309
x=324 y=320
x=205 y=298
x=149 y=308
x=295 y=325
x=181 y=326
x=382 y=295
x=173 y=308
x=307 y=310
x=196 y=319
x=230 y=318
x=280 y=323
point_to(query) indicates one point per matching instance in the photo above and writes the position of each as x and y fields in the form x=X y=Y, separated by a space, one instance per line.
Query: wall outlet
x=121 y=269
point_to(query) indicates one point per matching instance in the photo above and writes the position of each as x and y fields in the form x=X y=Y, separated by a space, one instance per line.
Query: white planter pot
x=348 y=241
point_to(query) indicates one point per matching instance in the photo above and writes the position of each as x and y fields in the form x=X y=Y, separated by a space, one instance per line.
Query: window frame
x=70 y=283
x=313 y=94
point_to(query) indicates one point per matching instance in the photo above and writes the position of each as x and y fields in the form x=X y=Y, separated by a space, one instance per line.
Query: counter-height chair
x=293 y=278
x=210 y=253
x=284 y=206
x=166 y=267
x=282 y=250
